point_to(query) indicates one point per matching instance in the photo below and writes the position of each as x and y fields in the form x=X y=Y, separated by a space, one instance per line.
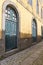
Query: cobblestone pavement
x=25 y=57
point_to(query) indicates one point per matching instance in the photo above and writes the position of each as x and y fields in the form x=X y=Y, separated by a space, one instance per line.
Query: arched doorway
x=34 y=30
x=42 y=32
x=11 y=28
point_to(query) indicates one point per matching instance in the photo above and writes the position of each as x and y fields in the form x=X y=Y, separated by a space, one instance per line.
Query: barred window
x=11 y=21
x=41 y=13
x=37 y=6
x=30 y=2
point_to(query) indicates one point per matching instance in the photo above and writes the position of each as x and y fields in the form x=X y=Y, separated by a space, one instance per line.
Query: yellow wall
x=29 y=15
x=1 y=4
x=26 y=14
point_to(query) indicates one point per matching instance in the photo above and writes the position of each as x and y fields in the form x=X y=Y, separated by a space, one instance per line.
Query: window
x=11 y=21
x=34 y=30
x=30 y=2
x=41 y=13
x=37 y=6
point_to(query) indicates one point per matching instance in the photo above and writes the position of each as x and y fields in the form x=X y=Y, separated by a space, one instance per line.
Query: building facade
x=21 y=24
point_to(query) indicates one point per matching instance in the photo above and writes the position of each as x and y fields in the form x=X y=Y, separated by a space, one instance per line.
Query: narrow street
x=30 y=56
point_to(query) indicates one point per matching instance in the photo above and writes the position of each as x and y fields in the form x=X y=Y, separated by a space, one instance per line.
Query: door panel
x=11 y=27
x=34 y=31
x=10 y=35
x=42 y=32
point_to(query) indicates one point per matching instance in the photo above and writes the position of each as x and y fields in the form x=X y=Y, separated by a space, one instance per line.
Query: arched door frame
x=42 y=32
x=36 y=27
x=13 y=5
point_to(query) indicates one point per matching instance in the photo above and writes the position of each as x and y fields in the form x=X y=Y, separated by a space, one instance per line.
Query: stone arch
x=34 y=30
x=13 y=5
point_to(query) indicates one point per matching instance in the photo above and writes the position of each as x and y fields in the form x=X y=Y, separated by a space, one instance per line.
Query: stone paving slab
x=25 y=57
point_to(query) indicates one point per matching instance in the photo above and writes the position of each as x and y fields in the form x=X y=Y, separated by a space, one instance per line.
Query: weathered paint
x=26 y=14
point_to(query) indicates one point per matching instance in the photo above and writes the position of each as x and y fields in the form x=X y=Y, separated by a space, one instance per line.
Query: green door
x=42 y=32
x=10 y=29
x=34 y=31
